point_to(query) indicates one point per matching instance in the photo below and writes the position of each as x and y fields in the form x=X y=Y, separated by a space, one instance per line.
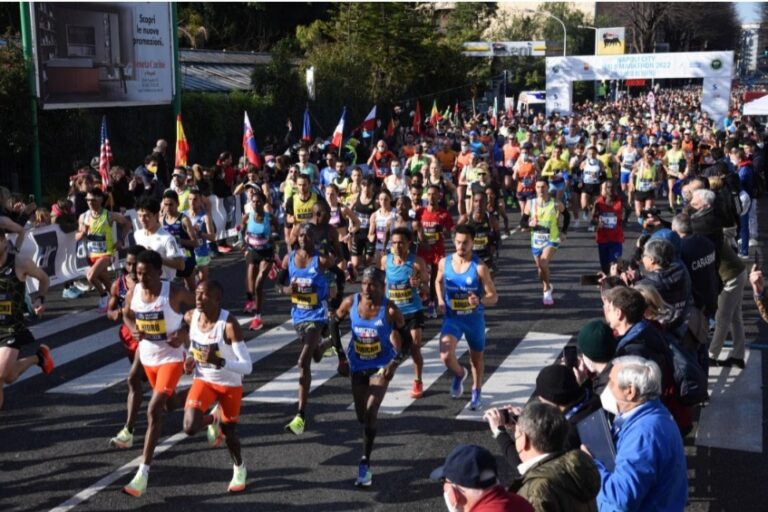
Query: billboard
x=716 y=68
x=103 y=54
x=610 y=41
x=505 y=49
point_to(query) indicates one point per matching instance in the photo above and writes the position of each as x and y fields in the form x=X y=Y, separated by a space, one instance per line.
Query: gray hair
x=660 y=251
x=545 y=426
x=704 y=195
x=681 y=224
x=641 y=373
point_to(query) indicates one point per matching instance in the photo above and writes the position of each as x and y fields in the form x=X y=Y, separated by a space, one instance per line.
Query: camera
x=648 y=213
x=508 y=416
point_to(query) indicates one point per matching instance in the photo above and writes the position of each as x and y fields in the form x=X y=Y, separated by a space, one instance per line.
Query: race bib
x=363 y=220
x=367 y=344
x=255 y=241
x=540 y=238
x=674 y=168
x=306 y=296
x=96 y=244
x=644 y=185
x=401 y=294
x=200 y=353
x=481 y=242
x=528 y=181
x=152 y=325
x=591 y=177
x=460 y=305
x=608 y=220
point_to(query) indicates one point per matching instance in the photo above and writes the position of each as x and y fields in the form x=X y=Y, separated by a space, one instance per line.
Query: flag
x=434 y=115
x=306 y=133
x=369 y=124
x=417 y=119
x=338 y=133
x=182 y=147
x=390 y=129
x=510 y=112
x=250 y=149
x=447 y=113
x=495 y=118
x=105 y=155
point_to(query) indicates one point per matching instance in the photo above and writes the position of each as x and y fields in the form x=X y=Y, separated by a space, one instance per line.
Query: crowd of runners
x=383 y=235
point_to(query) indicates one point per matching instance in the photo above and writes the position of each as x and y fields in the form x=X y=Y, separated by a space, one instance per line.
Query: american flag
x=105 y=156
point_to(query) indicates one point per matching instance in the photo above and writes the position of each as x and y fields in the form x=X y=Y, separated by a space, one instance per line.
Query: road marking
x=109 y=375
x=111 y=478
x=514 y=380
x=64 y=322
x=284 y=388
x=733 y=420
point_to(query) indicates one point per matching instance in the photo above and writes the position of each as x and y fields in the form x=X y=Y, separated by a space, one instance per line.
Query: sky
x=749 y=12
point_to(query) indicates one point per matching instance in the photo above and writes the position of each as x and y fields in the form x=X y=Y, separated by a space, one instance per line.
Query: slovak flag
x=338 y=133
x=250 y=149
x=306 y=132
x=369 y=124
x=105 y=155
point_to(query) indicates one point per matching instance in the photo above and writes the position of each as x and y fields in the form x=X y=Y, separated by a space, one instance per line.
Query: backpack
x=691 y=379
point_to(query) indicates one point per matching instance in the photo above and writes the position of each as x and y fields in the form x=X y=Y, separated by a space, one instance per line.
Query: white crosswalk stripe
x=514 y=380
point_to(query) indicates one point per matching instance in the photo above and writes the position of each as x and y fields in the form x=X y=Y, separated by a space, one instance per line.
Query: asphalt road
x=54 y=446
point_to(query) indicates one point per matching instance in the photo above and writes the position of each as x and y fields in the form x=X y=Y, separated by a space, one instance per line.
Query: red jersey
x=381 y=163
x=435 y=224
x=609 y=217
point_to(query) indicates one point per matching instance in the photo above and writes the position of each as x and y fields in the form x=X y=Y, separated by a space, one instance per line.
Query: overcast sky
x=749 y=12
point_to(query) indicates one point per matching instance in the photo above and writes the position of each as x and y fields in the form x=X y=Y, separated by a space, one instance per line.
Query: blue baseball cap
x=469 y=466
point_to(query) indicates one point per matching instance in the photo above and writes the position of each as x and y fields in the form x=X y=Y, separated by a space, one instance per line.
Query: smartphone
x=590 y=280
x=570 y=356
x=508 y=416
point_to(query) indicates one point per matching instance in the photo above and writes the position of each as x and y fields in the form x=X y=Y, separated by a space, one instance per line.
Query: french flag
x=369 y=124
x=250 y=149
x=338 y=133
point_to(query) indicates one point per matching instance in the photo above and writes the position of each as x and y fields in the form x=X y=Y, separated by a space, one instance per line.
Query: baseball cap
x=596 y=341
x=473 y=132
x=469 y=466
x=556 y=383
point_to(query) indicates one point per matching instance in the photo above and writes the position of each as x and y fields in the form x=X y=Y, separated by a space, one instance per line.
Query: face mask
x=609 y=402
x=152 y=168
x=396 y=171
x=451 y=508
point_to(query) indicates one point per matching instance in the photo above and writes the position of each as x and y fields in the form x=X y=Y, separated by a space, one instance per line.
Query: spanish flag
x=182 y=147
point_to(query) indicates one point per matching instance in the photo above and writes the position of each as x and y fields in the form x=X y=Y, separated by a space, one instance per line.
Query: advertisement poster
x=103 y=54
x=610 y=41
x=505 y=49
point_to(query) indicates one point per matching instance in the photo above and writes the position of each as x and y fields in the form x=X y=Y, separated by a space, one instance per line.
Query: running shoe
x=250 y=306
x=296 y=425
x=548 y=300
x=45 y=359
x=343 y=367
x=256 y=323
x=432 y=311
x=577 y=223
x=83 y=286
x=477 y=400
x=457 y=387
x=509 y=201
x=123 y=439
x=330 y=351
x=584 y=217
x=237 y=484
x=753 y=242
x=137 y=486
x=103 y=303
x=214 y=434
x=71 y=293
x=364 y=475
x=744 y=256
x=417 y=389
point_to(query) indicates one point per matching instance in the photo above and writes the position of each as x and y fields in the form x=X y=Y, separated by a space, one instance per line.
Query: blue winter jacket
x=650 y=472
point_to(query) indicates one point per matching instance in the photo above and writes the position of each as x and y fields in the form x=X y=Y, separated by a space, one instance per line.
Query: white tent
x=756 y=107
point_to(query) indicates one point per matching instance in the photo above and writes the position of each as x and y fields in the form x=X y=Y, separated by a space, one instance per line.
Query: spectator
x=666 y=273
x=123 y=197
x=82 y=184
x=597 y=345
x=758 y=289
x=160 y=156
x=650 y=471
x=553 y=479
x=471 y=483
x=744 y=169
x=42 y=217
x=151 y=177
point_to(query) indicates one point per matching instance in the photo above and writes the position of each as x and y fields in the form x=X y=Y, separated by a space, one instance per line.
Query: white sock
x=241 y=466
x=143 y=470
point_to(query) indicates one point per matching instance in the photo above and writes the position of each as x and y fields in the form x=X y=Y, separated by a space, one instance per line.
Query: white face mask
x=609 y=402
x=451 y=508
x=588 y=362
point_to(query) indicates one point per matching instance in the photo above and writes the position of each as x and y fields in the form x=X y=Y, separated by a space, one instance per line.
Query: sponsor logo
x=716 y=64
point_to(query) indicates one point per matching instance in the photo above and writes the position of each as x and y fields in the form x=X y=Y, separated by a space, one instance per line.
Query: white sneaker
x=753 y=242
x=576 y=223
x=83 y=286
x=584 y=217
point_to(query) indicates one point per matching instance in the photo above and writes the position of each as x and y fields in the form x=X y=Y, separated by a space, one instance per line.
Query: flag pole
x=26 y=36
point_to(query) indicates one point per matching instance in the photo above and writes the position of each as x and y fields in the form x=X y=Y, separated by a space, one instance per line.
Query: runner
x=592 y=175
x=437 y=223
x=465 y=288
x=486 y=229
x=298 y=208
x=524 y=173
x=541 y=215
x=380 y=161
x=380 y=342
x=363 y=206
x=381 y=225
x=257 y=235
x=179 y=225
x=497 y=209
x=407 y=279
x=303 y=273
x=136 y=376
x=554 y=170
x=205 y=232
x=606 y=215
x=345 y=221
x=95 y=226
x=219 y=358
x=155 y=238
x=14 y=271
x=674 y=164
x=153 y=314
x=628 y=155
x=643 y=181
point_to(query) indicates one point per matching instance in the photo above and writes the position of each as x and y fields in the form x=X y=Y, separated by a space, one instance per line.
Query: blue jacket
x=650 y=473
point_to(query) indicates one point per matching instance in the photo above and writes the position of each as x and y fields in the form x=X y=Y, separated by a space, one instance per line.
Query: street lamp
x=545 y=13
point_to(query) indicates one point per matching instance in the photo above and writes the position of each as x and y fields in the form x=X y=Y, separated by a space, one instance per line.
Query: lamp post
x=589 y=27
x=550 y=15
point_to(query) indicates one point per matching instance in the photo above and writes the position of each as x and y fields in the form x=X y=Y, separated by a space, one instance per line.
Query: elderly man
x=650 y=471
x=552 y=479
x=667 y=274
x=471 y=483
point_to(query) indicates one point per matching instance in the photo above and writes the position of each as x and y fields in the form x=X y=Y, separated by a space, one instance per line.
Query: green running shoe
x=214 y=433
x=137 y=486
x=296 y=425
x=123 y=439
x=237 y=484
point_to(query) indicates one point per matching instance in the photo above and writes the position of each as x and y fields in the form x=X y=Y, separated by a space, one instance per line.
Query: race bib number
x=460 y=305
x=540 y=238
x=608 y=220
x=481 y=241
x=305 y=297
x=528 y=181
x=644 y=185
x=200 y=353
x=674 y=169
x=432 y=233
x=152 y=325
x=96 y=244
x=363 y=220
x=257 y=242
x=5 y=307
x=367 y=344
x=591 y=177
x=401 y=294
